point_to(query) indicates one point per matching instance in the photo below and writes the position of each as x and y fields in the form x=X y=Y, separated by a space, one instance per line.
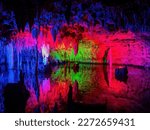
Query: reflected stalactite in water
x=121 y=74
x=70 y=100
x=105 y=74
x=75 y=90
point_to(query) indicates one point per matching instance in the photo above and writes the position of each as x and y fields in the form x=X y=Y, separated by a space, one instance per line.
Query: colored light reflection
x=72 y=77
x=90 y=86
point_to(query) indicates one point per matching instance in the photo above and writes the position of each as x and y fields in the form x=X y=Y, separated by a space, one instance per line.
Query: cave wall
x=130 y=50
x=109 y=17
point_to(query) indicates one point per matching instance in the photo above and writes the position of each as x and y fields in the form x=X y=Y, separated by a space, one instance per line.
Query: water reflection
x=83 y=88
x=121 y=74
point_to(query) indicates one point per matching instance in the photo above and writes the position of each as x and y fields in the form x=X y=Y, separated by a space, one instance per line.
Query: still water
x=86 y=88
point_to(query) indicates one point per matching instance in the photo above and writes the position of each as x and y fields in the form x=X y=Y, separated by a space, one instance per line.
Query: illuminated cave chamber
x=37 y=35
x=77 y=31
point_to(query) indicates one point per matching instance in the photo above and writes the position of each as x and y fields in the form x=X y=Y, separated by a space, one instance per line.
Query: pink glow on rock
x=45 y=38
x=32 y=102
x=24 y=40
x=126 y=47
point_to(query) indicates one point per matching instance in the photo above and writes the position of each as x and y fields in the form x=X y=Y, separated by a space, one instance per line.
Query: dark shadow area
x=121 y=74
x=15 y=96
x=89 y=108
